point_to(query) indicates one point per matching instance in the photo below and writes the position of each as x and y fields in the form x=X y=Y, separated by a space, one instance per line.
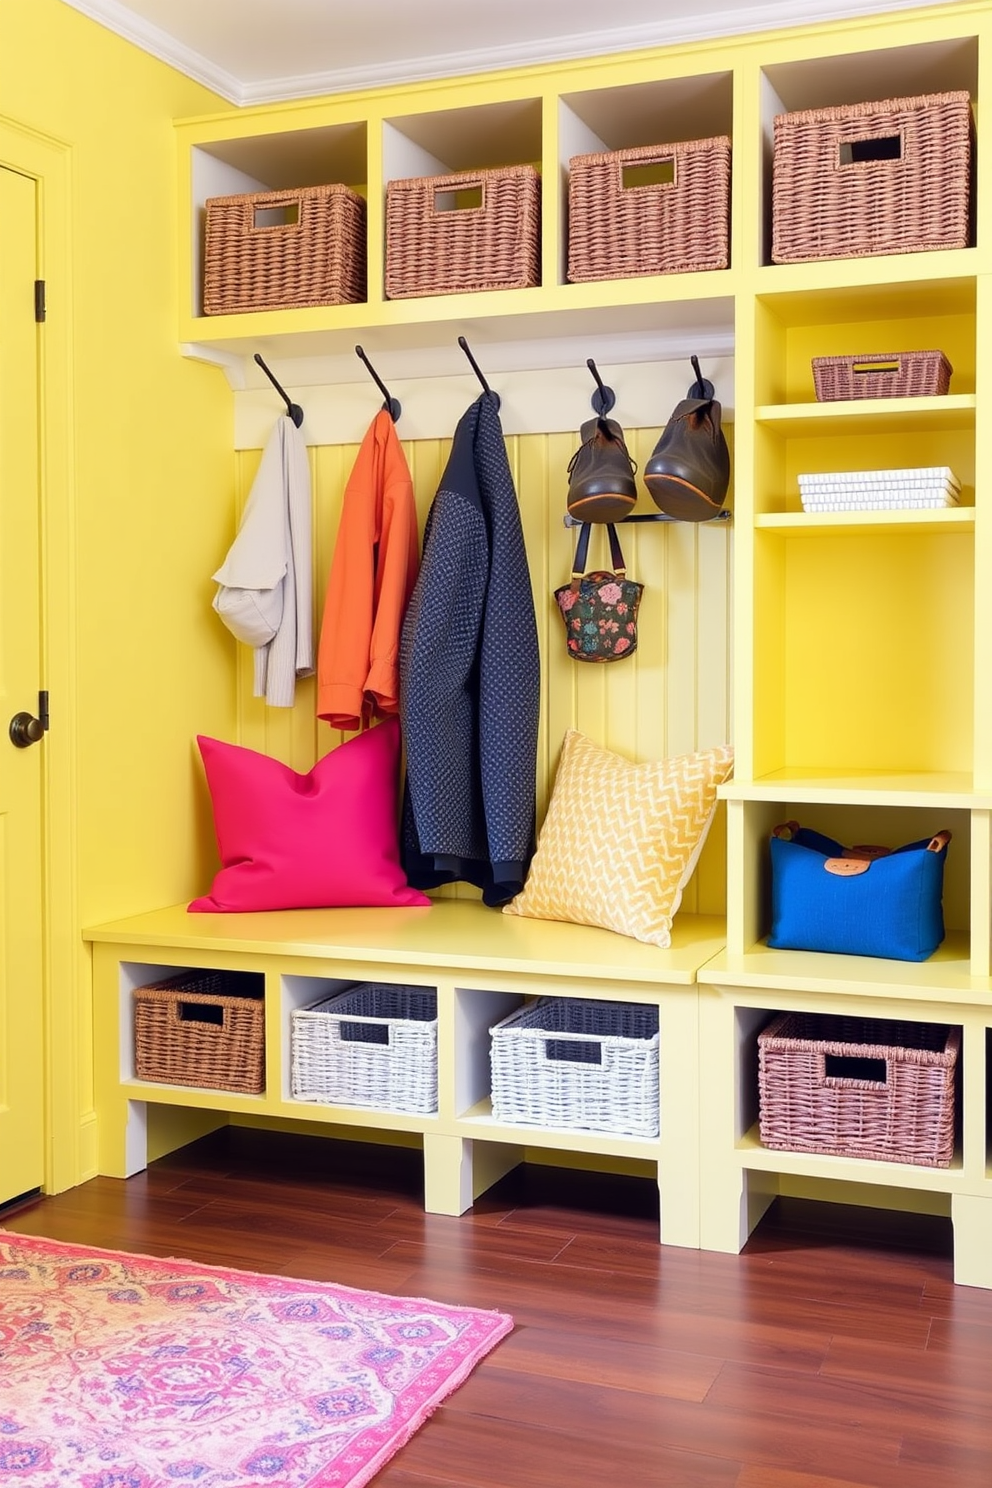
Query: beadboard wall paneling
x=671 y=696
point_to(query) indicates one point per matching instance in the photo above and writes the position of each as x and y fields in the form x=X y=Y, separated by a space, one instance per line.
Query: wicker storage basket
x=900 y=374
x=204 y=1028
x=435 y=244
x=374 y=1045
x=858 y=1087
x=616 y=231
x=887 y=177
x=316 y=259
x=567 y=1062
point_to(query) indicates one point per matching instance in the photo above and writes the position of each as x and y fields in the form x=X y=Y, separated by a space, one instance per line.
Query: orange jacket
x=375 y=564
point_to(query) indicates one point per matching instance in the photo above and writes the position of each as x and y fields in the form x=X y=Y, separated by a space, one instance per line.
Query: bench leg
x=457 y=1170
x=732 y=1206
x=122 y=1132
x=971 y=1216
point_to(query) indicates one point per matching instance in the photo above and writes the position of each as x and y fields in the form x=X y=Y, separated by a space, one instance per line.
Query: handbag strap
x=582 y=553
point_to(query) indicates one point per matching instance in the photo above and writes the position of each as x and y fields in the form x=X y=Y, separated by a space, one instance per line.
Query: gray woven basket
x=570 y=1062
x=886 y=177
x=858 y=1087
x=374 y=1045
x=618 y=231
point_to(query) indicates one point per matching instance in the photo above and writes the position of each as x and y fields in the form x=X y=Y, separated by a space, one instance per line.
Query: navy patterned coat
x=470 y=677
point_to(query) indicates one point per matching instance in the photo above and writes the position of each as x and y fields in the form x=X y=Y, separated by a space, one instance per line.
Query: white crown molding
x=773 y=15
x=768 y=17
x=158 y=43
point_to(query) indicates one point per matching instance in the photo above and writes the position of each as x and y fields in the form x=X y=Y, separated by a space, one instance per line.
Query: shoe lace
x=613 y=440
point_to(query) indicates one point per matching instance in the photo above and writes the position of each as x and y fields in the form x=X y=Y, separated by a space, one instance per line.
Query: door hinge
x=39 y=299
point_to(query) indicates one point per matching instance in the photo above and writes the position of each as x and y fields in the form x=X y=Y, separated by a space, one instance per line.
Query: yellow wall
x=151 y=479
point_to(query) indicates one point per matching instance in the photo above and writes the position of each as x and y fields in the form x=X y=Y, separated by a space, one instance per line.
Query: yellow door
x=22 y=1082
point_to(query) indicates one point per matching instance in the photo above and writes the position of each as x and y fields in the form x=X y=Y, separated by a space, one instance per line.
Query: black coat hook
x=477 y=370
x=293 y=409
x=702 y=387
x=604 y=397
x=391 y=405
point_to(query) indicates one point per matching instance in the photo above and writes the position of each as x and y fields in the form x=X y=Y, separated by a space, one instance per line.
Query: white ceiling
x=258 y=51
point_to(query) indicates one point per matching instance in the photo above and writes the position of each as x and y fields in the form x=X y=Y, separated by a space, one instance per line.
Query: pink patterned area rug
x=124 y=1371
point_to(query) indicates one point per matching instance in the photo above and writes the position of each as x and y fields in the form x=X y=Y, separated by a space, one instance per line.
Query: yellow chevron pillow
x=620 y=840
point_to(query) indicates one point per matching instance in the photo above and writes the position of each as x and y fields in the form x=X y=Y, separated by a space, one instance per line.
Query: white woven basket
x=374 y=1045
x=570 y=1062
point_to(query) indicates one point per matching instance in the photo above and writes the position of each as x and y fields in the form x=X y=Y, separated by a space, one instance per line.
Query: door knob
x=25 y=729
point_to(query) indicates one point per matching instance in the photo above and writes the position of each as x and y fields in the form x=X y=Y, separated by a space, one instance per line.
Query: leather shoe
x=601 y=486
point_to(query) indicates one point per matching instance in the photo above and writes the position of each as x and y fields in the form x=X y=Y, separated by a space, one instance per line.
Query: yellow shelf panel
x=845 y=524
x=458 y=935
x=200 y=1097
x=869 y=415
x=890 y=286
x=852 y=1169
x=204 y=1099
x=478 y=1122
x=702 y=302
x=816 y=785
x=944 y=977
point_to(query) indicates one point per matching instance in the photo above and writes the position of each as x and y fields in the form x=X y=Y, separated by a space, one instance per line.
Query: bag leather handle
x=582 y=552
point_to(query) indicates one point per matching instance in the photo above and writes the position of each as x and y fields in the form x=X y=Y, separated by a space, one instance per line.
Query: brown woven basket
x=900 y=374
x=617 y=231
x=203 y=1028
x=858 y=1087
x=887 y=177
x=462 y=233
x=314 y=258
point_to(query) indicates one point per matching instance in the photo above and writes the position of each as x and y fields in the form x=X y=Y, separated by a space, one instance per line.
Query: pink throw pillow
x=319 y=841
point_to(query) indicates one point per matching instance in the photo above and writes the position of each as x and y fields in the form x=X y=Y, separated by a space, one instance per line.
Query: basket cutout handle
x=648 y=173
x=277 y=214
x=574 y=1051
x=878 y=149
x=466 y=196
x=854 y=1072
x=865 y=369
x=208 y=1015
x=364 y=1033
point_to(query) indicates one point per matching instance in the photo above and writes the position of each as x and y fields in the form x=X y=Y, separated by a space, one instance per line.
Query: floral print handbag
x=599 y=608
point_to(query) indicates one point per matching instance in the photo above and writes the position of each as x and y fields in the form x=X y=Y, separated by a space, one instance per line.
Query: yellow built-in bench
x=482 y=964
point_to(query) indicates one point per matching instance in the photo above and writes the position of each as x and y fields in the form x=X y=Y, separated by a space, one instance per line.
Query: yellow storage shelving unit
x=862 y=648
x=861 y=642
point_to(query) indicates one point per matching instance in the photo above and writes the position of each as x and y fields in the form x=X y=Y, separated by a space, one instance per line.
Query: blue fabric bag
x=860 y=901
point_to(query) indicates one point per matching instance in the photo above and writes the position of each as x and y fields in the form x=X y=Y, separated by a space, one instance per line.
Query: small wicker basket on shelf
x=858 y=1087
x=315 y=255
x=618 y=229
x=374 y=1045
x=572 y=1062
x=462 y=233
x=204 y=1028
x=900 y=374
x=887 y=177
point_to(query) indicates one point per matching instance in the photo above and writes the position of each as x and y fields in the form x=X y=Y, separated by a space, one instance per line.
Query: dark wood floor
x=834 y=1353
